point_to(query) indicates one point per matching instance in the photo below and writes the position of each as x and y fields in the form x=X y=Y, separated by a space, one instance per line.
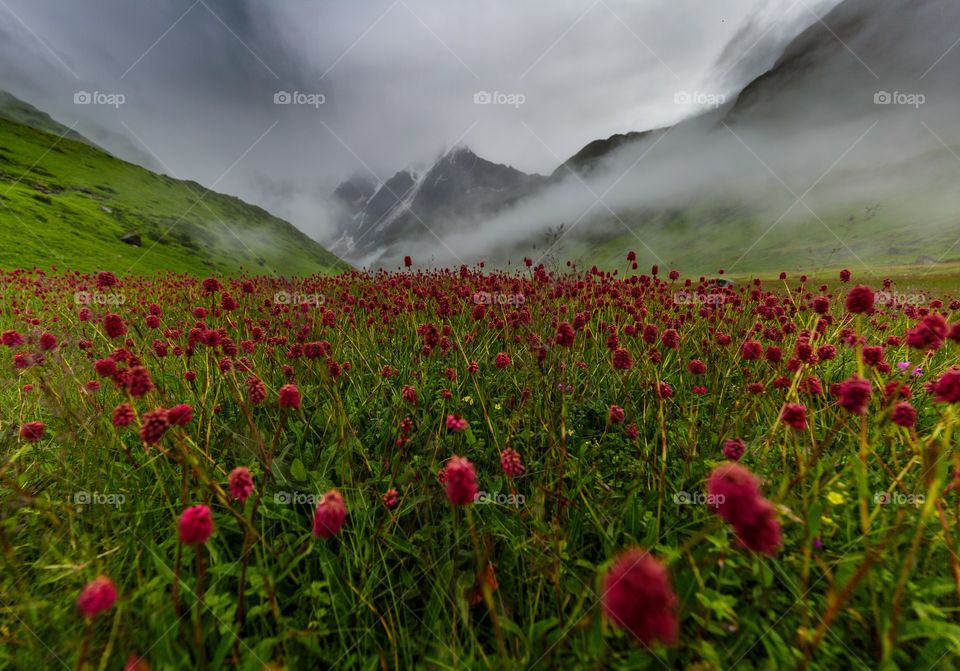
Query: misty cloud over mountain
x=398 y=81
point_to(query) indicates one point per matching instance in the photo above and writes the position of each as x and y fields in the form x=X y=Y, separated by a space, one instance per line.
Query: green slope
x=66 y=202
x=14 y=109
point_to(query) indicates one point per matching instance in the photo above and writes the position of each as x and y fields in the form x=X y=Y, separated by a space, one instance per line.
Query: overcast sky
x=398 y=79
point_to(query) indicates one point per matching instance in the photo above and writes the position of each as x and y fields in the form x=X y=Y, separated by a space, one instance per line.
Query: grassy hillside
x=71 y=203
x=14 y=109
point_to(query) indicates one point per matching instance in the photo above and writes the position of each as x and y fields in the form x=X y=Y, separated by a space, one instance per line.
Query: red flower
x=733 y=449
x=947 y=388
x=501 y=360
x=621 y=359
x=289 y=396
x=138 y=381
x=329 y=515
x=638 y=597
x=734 y=494
x=123 y=414
x=565 y=335
x=153 y=425
x=106 y=279
x=511 y=463
x=904 y=414
x=98 y=596
x=196 y=525
x=860 y=299
x=697 y=367
x=794 y=415
x=407 y=261
x=240 y=483
x=461 y=481
x=180 y=414
x=390 y=498
x=455 y=423
x=32 y=431
x=48 y=341
x=854 y=395
x=929 y=333
x=617 y=414
x=256 y=390
x=11 y=339
x=113 y=325
x=751 y=350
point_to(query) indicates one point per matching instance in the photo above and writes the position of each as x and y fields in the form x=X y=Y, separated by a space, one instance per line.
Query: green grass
x=65 y=202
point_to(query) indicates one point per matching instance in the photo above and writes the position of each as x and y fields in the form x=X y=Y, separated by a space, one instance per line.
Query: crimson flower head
x=289 y=396
x=565 y=335
x=501 y=360
x=138 y=381
x=390 y=498
x=455 y=423
x=860 y=299
x=153 y=425
x=733 y=489
x=854 y=395
x=123 y=415
x=106 y=279
x=734 y=494
x=461 y=481
x=511 y=463
x=407 y=261
x=904 y=414
x=113 y=325
x=32 y=431
x=196 y=525
x=240 y=483
x=11 y=339
x=929 y=333
x=794 y=415
x=638 y=597
x=621 y=359
x=751 y=350
x=48 y=341
x=98 y=596
x=180 y=414
x=329 y=515
x=697 y=367
x=733 y=449
x=617 y=414
x=256 y=390
x=947 y=388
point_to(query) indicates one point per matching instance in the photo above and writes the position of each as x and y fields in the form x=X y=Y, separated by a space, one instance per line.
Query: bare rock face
x=131 y=238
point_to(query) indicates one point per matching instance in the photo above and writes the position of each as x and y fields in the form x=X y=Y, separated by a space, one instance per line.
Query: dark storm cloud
x=398 y=79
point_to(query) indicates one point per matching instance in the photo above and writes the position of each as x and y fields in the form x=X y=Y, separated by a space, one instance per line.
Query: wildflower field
x=468 y=469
